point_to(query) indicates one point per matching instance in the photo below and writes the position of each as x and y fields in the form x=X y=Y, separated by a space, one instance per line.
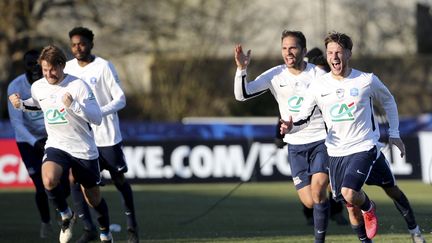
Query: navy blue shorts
x=350 y=171
x=31 y=156
x=381 y=174
x=306 y=160
x=111 y=158
x=85 y=172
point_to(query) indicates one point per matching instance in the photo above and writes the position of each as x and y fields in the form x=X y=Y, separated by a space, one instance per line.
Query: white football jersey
x=102 y=78
x=68 y=128
x=347 y=108
x=289 y=91
x=28 y=126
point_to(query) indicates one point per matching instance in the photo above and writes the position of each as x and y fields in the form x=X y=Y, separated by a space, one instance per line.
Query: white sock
x=66 y=214
x=416 y=230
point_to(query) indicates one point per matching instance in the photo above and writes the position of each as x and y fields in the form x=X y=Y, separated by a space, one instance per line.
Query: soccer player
x=345 y=97
x=102 y=78
x=316 y=56
x=306 y=150
x=30 y=135
x=69 y=107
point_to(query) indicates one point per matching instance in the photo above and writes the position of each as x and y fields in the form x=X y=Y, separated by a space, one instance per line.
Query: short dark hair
x=31 y=52
x=82 y=31
x=53 y=55
x=297 y=34
x=314 y=52
x=340 y=38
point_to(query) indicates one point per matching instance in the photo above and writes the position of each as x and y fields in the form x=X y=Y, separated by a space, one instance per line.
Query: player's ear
x=349 y=53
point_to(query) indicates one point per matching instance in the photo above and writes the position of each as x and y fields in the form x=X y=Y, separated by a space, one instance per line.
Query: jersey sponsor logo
x=342 y=112
x=294 y=103
x=324 y=95
x=56 y=116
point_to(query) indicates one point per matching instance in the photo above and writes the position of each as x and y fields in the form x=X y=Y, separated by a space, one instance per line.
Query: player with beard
x=306 y=150
x=345 y=97
x=315 y=56
x=69 y=107
x=102 y=78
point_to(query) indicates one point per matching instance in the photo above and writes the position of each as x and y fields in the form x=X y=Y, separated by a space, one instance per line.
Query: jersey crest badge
x=340 y=93
x=354 y=92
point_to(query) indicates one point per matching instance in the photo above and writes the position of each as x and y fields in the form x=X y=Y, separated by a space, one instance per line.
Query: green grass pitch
x=256 y=212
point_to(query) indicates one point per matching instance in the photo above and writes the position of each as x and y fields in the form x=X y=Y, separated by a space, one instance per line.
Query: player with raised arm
x=69 y=107
x=306 y=150
x=345 y=97
x=102 y=78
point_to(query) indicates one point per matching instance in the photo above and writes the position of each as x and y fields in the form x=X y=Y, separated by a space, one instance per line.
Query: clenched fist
x=67 y=99
x=286 y=126
x=15 y=100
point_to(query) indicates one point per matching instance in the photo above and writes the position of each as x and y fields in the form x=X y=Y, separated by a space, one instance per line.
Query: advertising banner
x=216 y=153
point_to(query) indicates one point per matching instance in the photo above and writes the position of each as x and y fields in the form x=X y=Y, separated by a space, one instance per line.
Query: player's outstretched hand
x=286 y=126
x=67 y=99
x=399 y=143
x=242 y=60
x=15 y=100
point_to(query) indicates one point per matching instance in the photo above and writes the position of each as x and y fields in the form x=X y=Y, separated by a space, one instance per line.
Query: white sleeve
x=30 y=104
x=118 y=101
x=85 y=106
x=244 y=90
x=388 y=103
x=17 y=122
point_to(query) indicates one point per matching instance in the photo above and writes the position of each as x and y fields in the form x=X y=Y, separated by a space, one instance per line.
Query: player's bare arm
x=242 y=60
x=398 y=143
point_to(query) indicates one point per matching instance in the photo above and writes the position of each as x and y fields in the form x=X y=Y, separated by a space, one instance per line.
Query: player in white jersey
x=354 y=96
x=69 y=107
x=316 y=56
x=102 y=78
x=345 y=97
x=306 y=150
x=30 y=135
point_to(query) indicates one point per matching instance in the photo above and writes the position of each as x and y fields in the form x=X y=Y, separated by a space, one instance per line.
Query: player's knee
x=50 y=182
x=349 y=195
x=319 y=196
